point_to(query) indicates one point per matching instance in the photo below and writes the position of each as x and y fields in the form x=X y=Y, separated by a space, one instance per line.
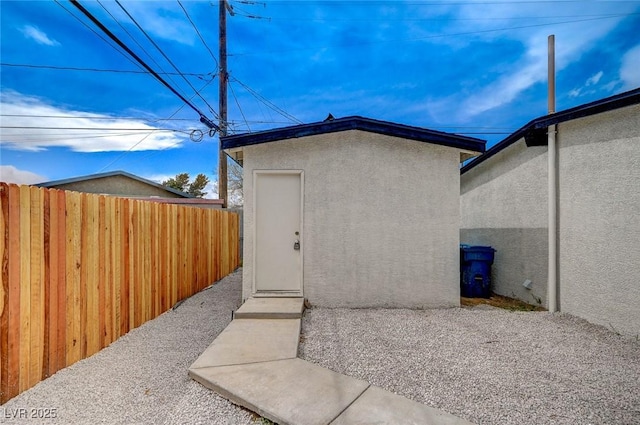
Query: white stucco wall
x=503 y=203
x=381 y=218
x=599 y=204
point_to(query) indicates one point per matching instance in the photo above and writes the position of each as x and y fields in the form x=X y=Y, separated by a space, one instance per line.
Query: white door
x=278 y=232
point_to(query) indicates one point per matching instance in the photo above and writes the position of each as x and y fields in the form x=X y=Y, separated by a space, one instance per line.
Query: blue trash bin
x=475 y=271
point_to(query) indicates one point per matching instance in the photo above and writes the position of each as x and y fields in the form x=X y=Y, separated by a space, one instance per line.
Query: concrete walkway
x=254 y=364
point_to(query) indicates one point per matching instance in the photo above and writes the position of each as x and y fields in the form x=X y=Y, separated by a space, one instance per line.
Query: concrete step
x=271 y=308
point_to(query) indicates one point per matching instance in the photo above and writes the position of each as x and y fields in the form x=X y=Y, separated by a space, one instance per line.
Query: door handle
x=296 y=245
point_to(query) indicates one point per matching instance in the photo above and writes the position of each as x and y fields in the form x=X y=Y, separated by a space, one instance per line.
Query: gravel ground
x=142 y=377
x=487 y=365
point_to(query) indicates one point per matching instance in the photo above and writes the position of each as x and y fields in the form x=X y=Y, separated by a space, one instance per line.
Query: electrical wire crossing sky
x=90 y=87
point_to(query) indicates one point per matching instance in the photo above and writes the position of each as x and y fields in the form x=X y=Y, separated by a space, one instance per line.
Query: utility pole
x=552 y=161
x=224 y=78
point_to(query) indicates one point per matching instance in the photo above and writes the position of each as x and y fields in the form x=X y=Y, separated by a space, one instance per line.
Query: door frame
x=254 y=291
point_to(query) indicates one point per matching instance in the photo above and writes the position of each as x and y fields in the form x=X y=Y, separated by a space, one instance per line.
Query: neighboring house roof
x=535 y=131
x=196 y=202
x=56 y=183
x=356 y=123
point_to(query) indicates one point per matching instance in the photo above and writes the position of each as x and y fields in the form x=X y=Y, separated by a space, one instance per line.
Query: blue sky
x=476 y=68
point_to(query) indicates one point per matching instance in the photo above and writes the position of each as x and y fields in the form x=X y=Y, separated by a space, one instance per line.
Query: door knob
x=296 y=245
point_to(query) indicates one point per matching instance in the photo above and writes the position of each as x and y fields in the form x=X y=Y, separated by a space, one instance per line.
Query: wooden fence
x=80 y=270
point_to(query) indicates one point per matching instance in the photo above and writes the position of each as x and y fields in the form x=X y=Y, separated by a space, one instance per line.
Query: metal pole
x=551 y=89
x=552 y=289
x=222 y=157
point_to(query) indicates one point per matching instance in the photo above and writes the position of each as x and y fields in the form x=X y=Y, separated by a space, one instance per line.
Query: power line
x=199 y=35
x=246 y=14
x=450 y=19
x=233 y=93
x=427 y=37
x=145 y=137
x=134 y=39
x=164 y=55
x=90 y=128
x=451 y=128
x=122 y=71
x=39 y=138
x=96 y=33
x=268 y=102
x=203 y=118
x=236 y=122
x=156 y=152
x=96 y=118
x=447 y=2
x=129 y=150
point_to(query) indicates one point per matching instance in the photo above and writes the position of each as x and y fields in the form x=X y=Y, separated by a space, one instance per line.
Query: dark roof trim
x=535 y=131
x=355 y=123
x=112 y=174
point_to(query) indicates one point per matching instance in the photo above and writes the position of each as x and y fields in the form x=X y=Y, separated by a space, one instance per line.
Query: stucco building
x=505 y=203
x=352 y=212
x=127 y=185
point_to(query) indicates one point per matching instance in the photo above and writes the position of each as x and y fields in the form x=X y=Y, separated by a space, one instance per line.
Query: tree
x=236 y=197
x=181 y=182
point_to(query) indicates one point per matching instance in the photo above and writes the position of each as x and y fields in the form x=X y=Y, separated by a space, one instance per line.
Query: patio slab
x=377 y=406
x=252 y=340
x=288 y=392
x=271 y=308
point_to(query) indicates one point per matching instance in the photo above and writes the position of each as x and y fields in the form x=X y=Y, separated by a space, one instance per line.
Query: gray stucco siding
x=503 y=203
x=117 y=185
x=381 y=218
x=599 y=216
x=521 y=254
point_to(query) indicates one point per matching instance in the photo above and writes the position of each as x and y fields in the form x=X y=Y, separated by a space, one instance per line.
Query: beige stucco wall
x=381 y=218
x=117 y=185
x=599 y=217
x=503 y=203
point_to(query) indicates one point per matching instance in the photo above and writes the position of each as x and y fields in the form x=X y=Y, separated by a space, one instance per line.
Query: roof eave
x=355 y=123
x=535 y=131
x=112 y=174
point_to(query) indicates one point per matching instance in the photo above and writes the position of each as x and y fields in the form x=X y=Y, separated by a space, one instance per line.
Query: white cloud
x=38 y=36
x=158 y=178
x=160 y=20
x=10 y=174
x=77 y=130
x=575 y=92
x=630 y=69
x=594 y=79
x=573 y=37
x=591 y=81
x=505 y=89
